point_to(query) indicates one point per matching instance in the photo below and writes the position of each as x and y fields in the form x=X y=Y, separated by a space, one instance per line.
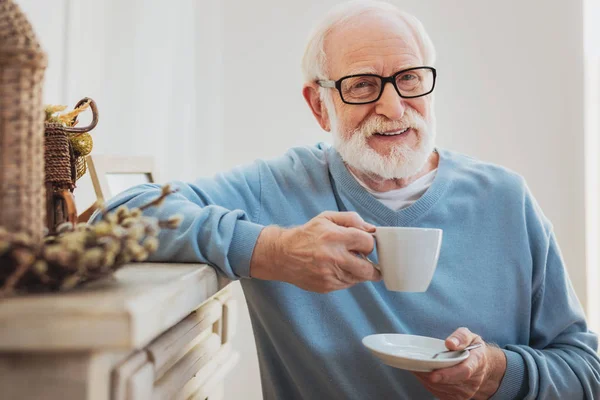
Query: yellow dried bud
x=4 y=247
x=57 y=254
x=109 y=259
x=111 y=218
x=22 y=238
x=135 y=250
x=50 y=239
x=110 y=245
x=132 y=245
x=70 y=282
x=152 y=232
x=77 y=236
x=119 y=231
x=74 y=246
x=102 y=228
x=128 y=222
x=151 y=244
x=140 y=255
x=174 y=221
x=40 y=266
x=136 y=232
x=64 y=227
x=51 y=251
x=83 y=227
x=122 y=212
x=166 y=189
x=23 y=257
x=93 y=258
x=135 y=212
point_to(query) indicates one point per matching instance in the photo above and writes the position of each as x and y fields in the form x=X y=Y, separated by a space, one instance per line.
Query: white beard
x=403 y=160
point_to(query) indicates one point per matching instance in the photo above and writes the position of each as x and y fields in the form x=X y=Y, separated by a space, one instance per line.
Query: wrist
x=267 y=253
x=495 y=374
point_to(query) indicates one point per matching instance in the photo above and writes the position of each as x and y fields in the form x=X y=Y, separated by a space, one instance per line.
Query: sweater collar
x=352 y=196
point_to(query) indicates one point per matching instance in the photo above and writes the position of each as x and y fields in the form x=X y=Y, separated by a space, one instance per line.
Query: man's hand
x=319 y=256
x=477 y=377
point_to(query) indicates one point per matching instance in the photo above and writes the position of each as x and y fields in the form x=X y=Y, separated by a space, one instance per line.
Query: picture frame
x=111 y=174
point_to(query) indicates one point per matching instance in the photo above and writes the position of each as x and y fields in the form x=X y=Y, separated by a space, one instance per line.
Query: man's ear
x=311 y=95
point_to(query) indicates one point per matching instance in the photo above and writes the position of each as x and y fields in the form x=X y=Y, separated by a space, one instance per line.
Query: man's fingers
x=461 y=338
x=345 y=277
x=361 y=269
x=456 y=374
x=466 y=369
x=360 y=241
x=348 y=219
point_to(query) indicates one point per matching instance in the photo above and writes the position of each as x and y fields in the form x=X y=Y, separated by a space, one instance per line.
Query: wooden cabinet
x=134 y=352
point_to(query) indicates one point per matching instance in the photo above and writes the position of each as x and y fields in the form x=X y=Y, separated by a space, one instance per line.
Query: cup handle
x=361 y=255
x=376 y=266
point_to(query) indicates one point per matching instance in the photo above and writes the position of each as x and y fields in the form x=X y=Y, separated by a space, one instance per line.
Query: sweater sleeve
x=560 y=361
x=219 y=224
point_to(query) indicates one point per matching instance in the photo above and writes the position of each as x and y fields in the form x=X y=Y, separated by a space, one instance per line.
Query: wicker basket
x=63 y=167
x=22 y=65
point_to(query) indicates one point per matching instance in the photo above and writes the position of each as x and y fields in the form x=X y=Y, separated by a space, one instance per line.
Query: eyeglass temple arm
x=326 y=83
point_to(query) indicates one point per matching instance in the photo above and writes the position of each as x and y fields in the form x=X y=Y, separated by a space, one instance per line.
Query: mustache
x=378 y=123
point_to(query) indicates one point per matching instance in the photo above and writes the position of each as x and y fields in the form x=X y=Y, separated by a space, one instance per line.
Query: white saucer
x=411 y=352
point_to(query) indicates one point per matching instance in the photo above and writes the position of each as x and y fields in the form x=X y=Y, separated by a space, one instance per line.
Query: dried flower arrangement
x=40 y=161
x=81 y=253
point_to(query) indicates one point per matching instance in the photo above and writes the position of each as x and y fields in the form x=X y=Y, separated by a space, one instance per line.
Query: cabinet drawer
x=141 y=384
x=190 y=359
x=124 y=373
x=207 y=382
x=172 y=345
x=185 y=369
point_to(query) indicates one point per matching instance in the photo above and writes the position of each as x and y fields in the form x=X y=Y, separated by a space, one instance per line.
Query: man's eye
x=408 y=77
x=362 y=85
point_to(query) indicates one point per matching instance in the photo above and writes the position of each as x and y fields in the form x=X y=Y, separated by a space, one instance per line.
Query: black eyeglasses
x=368 y=88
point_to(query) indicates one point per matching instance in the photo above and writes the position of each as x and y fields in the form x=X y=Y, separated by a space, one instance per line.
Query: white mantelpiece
x=155 y=331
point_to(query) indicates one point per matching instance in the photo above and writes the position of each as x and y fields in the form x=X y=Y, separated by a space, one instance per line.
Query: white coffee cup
x=407 y=257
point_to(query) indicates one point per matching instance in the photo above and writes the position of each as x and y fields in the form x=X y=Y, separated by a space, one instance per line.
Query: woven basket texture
x=22 y=66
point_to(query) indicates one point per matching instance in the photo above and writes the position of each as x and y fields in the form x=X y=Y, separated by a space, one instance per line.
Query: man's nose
x=390 y=104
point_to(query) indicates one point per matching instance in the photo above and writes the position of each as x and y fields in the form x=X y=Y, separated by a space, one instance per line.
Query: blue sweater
x=500 y=274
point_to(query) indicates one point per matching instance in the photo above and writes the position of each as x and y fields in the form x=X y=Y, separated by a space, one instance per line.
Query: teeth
x=394 y=133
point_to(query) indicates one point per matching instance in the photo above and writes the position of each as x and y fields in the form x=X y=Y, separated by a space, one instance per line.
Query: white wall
x=205 y=85
x=48 y=19
x=592 y=148
x=154 y=71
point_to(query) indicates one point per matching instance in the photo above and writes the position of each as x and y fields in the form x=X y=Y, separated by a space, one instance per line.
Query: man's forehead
x=367 y=42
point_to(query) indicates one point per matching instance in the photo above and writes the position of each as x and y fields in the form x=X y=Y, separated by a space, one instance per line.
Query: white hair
x=314 y=62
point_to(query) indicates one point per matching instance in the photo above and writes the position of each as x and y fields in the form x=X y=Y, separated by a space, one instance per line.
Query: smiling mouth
x=392 y=133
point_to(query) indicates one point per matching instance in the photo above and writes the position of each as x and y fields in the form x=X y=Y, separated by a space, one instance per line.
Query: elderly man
x=291 y=229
